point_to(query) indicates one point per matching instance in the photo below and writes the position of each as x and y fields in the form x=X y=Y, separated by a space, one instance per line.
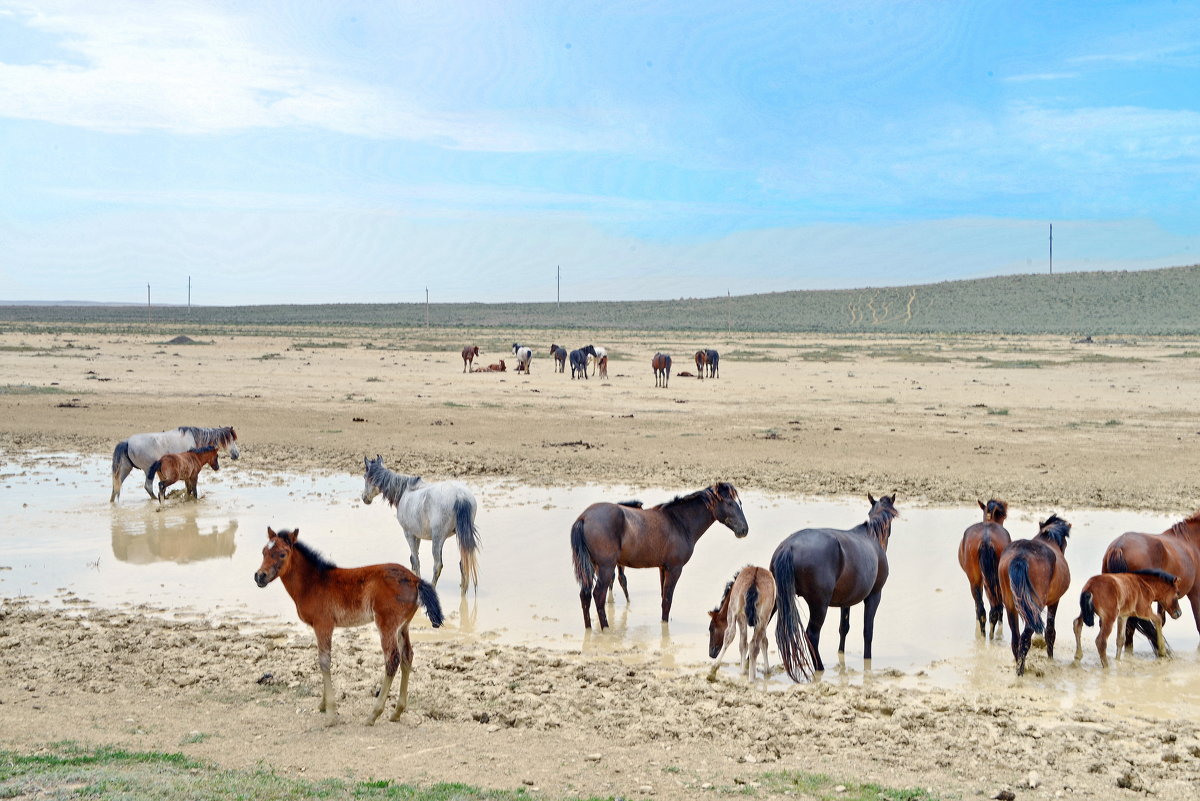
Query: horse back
x=1138 y=551
x=839 y=567
x=631 y=536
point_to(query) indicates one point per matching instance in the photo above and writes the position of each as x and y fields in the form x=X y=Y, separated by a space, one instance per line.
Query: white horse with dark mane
x=601 y=353
x=143 y=450
x=429 y=512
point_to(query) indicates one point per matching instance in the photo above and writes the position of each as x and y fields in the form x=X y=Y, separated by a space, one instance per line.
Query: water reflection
x=171 y=535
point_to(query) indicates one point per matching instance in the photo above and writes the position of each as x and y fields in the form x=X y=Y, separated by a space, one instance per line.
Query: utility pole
x=189 y=294
x=426 y=307
x=558 y=289
x=728 y=314
x=147 y=303
x=1052 y=248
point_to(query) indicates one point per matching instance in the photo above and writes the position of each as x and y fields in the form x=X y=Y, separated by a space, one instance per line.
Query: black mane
x=314 y=557
x=1056 y=529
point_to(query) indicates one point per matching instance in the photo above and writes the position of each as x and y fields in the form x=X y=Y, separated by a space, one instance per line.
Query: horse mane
x=217 y=437
x=997 y=509
x=1056 y=529
x=682 y=499
x=1180 y=528
x=203 y=450
x=630 y=504
x=1154 y=572
x=318 y=560
x=390 y=484
x=879 y=524
x=725 y=595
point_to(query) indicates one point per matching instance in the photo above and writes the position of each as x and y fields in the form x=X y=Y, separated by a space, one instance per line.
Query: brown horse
x=1176 y=550
x=1034 y=575
x=979 y=556
x=493 y=368
x=602 y=364
x=748 y=604
x=560 y=357
x=469 y=353
x=1114 y=597
x=661 y=365
x=183 y=467
x=608 y=535
x=701 y=361
x=328 y=596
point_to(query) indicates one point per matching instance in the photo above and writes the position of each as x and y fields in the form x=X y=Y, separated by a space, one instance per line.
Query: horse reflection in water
x=141 y=539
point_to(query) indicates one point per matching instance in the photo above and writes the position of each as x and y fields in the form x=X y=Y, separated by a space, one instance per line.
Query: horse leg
x=149 y=485
x=436 y=547
x=604 y=580
x=162 y=490
x=670 y=579
x=1051 y=632
x=406 y=657
x=119 y=475
x=391 y=660
x=1014 y=627
x=870 y=607
x=1106 y=626
x=995 y=617
x=325 y=662
x=414 y=558
x=977 y=594
x=1128 y=629
x=743 y=646
x=1160 y=642
x=1026 y=641
x=624 y=583
x=1078 y=628
x=816 y=619
x=843 y=629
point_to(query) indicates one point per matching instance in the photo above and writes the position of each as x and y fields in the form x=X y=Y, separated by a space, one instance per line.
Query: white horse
x=429 y=512
x=601 y=353
x=143 y=450
x=524 y=357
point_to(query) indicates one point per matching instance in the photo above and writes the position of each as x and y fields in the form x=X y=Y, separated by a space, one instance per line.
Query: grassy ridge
x=1141 y=302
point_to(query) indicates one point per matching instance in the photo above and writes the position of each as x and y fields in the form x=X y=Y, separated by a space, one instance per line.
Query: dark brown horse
x=701 y=361
x=661 y=365
x=1114 y=597
x=328 y=596
x=830 y=567
x=979 y=556
x=560 y=357
x=1033 y=576
x=713 y=360
x=1176 y=550
x=183 y=467
x=608 y=535
x=469 y=353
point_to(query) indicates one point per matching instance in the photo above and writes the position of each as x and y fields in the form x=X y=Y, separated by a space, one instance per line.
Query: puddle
x=62 y=541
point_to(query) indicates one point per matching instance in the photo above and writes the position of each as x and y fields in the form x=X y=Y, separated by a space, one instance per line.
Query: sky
x=315 y=152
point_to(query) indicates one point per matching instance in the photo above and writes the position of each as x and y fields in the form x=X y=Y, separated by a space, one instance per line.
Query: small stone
x=592 y=757
x=839 y=788
x=493 y=728
x=706 y=786
x=1033 y=780
x=645 y=788
x=1005 y=795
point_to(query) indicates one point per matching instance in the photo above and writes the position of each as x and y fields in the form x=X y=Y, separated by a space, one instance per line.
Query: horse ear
x=871 y=498
x=366 y=462
x=270 y=533
x=295 y=535
x=893 y=496
x=982 y=505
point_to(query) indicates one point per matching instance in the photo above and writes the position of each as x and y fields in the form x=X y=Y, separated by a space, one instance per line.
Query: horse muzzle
x=1175 y=613
x=368 y=498
x=739 y=527
x=261 y=579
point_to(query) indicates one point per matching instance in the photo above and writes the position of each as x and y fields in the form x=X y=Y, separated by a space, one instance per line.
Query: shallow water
x=63 y=541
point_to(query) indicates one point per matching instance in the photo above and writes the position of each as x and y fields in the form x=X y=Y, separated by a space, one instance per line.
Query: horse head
x=718 y=623
x=1056 y=529
x=879 y=519
x=994 y=511
x=234 y=453
x=516 y=347
x=370 y=488
x=275 y=555
x=726 y=507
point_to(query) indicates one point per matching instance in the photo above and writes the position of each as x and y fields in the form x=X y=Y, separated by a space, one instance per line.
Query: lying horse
x=493 y=368
x=328 y=596
x=468 y=355
x=143 y=450
x=579 y=360
x=183 y=467
x=661 y=365
x=524 y=357
x=979 y=555
x=1034 y=575
x=748 y=603
x=1116 y=597
x=560 y=357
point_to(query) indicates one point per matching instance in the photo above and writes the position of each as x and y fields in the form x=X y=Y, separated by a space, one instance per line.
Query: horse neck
x=695 y=518
x=1187 y=530
x=299 y=576
x=880 y=530
x=1053 y=543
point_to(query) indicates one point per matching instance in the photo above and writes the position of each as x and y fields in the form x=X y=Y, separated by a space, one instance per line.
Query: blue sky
x=341 y=152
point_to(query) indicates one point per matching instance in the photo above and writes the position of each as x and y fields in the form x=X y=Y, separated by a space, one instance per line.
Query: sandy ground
x=1040 y=422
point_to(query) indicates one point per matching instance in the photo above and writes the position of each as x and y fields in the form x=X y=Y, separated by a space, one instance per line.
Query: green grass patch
x=1111 y=423
x=750 y=356
x=830 y=354
x=908 y=356
x=30 y=389
x=1010 y=364
x=822 y=787
x=1186 y=354
x=998 y=411
x=315 y=345
x=17 y=348
x=373 y=379
x=1104 y=358
x=269 y=357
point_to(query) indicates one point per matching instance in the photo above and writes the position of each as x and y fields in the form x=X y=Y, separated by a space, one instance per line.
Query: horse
x=183 y=467
x=603 y=362
x=560 y=357
x=979 y=556
x=661 y=365
x=748 y=603
x=468 y=355
x=429 y=512
x=143 y=450
x=1114 y=597
x=1034 y=575
x=701 y=360
x=493 y=368
x=1176 y=550
x=524 y=357
x=611 y=535
x=579 y=360
x=713 y=360
x=598 y=355
x=830 y=567
x=328 y=597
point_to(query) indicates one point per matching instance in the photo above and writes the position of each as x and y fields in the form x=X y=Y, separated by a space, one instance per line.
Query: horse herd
x=707 y=362
x=824 y=566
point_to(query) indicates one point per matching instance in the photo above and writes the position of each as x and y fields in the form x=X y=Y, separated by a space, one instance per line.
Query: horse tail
x=585 y=570
x=1087 y=609
x=120 y=455
x=1028 y=603
x=1114 y=561
x=428 y=597
x=989 y=565
x=751 y=602
x=154 y=468
x=468 y=540
x=790 y=637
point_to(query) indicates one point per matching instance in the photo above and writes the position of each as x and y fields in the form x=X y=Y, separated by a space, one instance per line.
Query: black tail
x=1028 y=602
x=790 y=637
x=585 y=571
x=751 y=603
x=1146 y=628
x=1114 y=561
x=1087 y=610
x=120 y=454
x=153 y=471
x=989 y=564
x=468 y=541
x=428 y=597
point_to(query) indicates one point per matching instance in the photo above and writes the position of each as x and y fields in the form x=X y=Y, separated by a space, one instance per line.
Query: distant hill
x=1140 y=302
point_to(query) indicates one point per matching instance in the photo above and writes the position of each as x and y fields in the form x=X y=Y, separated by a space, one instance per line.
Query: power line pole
x=1052 y=248
x=426 y=307
x=558 y=288
x=147 y=303
x=189 y=294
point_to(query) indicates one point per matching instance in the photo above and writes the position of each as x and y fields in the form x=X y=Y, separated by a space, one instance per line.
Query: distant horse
x=468 y=355
x=524 y=357
x=493 y=368
x=560 y=357
x=328 y=596
x=143 y=450
x=979 y=556
x=603 y=362
x=579 y=360
x=429 y=512
x=748 y=604
x=1034 y=575
x=608 y=535
x=713 y=360
x=598 y=355
x=701 y=361
x=830 y=567
x=1115 y=597
x=661 y=364
x=1176 y=550
x=183 y=467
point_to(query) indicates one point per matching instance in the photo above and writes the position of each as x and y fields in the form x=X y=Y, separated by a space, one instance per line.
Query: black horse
x=560 y=357
x=579 y=360
x=713 y=359
x=830 y=567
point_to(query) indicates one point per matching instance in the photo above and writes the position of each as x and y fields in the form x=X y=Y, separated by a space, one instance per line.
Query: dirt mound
x=182 y=340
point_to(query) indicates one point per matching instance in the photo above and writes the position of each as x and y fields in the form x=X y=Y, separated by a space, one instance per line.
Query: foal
x=748 y=603
x=183 y=467
x=1116 y=597
x=328 y=596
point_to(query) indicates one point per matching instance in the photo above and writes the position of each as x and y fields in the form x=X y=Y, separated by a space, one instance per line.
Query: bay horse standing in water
x=979 y=555
x=143 y=450
x=1033 y=576
x=329 y=597
x=1176 y=550
x=747 y=605
x=1115 y=597
x=560 y=357
x=183 y=467
x=611 y=535
x=661 y=365
x=468 y=356
x=830 y=567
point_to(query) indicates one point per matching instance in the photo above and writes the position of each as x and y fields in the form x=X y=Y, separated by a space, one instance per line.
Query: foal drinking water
x=183 y=467
x=748 y=603
x=1116 y=597
x=328 y=597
